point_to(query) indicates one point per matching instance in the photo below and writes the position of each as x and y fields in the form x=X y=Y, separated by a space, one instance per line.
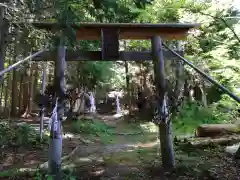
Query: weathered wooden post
x=162 y=118
x=55 y=149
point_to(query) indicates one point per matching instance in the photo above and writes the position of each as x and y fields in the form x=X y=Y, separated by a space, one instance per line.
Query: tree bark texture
x=162 y=120
x=14 y=79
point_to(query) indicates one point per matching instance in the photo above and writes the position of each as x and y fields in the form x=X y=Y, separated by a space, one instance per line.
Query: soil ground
x=123 y=156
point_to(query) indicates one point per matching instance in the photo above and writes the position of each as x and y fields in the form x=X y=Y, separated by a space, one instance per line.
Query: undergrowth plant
x=19 y=135
x=193 y=114
x=91 y=127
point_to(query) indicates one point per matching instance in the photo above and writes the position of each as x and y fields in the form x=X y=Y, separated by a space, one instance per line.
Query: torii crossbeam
x=110 y=34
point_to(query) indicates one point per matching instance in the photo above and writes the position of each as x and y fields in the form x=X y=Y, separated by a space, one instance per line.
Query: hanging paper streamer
x=92 y=103
x=118 y=105
x=54 y=118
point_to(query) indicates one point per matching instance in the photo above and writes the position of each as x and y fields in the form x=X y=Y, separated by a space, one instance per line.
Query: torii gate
x=109 y=35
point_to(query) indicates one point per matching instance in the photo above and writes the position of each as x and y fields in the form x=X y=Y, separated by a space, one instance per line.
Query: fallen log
x=214 y=130
x=203 y=142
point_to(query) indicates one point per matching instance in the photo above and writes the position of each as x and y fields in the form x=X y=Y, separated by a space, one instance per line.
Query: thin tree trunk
x=129 y=102
x=20 y=102
x=7 y=89
x=26 y=92
x=6 y=95
x=31 y=84
x=204 y=97
x=1 y=97
x=43 y=108
x=35 y=83
x=3 y=33
x=14 y=79
x=179 y=86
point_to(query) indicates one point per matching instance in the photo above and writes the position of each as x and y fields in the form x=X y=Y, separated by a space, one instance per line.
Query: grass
x=192 y=115
x=97 y=130
x=20 y=135
x=94 y=129
x=188 y=119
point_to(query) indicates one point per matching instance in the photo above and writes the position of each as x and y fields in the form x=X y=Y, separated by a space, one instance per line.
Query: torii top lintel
x=111 y=33
x=93 y=31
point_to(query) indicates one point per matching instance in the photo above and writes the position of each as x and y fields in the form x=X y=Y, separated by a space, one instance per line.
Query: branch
x=223 y=20
x=6 y=6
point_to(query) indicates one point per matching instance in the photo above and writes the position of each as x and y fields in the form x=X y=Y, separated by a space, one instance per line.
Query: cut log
x=225 y=140
x=203 y=142
x=214 y=130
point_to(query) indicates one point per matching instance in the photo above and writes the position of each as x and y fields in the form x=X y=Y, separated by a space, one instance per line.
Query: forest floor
x=119 y=151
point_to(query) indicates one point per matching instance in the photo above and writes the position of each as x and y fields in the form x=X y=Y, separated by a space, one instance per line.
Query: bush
x=91 y=127
x=19 y=135
x=193 y=114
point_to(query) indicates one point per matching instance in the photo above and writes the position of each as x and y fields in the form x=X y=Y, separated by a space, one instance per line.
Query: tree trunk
x=14 y=94
x=26 y=92
x=1 y=97
x=31 y=87
x=7 y=90
x=213 y=130
x=35 y=83
x=20 y=98
x=179 y=87
x=14 y=79
x=162 y=118
x=204 y=97
x=129 y=102
x=127 y=75
x=6 y=107
x=3 y=34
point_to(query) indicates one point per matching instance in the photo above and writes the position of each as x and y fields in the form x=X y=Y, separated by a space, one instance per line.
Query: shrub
x=19 y=135
x=193 y=114
x=91 y=127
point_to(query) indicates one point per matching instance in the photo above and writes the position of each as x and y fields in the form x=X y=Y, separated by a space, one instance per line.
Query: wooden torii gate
x=109 y=35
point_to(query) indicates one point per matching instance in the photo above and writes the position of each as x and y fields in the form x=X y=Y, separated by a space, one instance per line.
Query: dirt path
x=124 y=159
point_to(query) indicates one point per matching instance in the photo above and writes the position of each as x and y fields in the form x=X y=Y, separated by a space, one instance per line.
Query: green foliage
x=91 y=127
x=91 y=74
x=94 y=130
x=19 y=135
x=192 y=115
